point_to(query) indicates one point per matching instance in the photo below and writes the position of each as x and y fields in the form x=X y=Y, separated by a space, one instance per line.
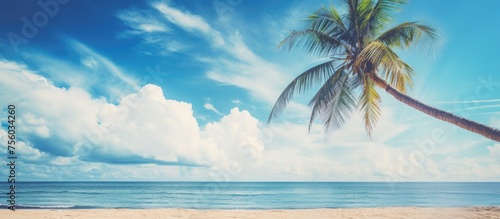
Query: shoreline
x=379 y=212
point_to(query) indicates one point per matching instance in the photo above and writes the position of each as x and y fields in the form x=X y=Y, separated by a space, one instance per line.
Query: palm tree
x=360 y=54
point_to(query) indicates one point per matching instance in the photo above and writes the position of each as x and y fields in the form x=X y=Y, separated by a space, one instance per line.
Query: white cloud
x=153 y=27
x=212 y=108
x=238 y=135
x=469 y=169
x=64 y=161
x=42 y=131
x=57 y=69
x=246 y=70
x=183 y=19
x=347 y=154
x=143 y=127
x=109 y=65
x=189 y=22
x=174 y=46
x=163 y=45
x=92 y=72
x=90 y=62
x=494 y=150
x=141 y=22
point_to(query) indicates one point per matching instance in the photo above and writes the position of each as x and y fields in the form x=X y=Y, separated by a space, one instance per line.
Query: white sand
x=393 y=212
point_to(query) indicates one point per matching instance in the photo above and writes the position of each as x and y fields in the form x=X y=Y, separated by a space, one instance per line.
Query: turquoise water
x=251 y=195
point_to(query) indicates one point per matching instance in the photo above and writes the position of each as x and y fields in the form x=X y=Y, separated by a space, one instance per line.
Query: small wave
x=21 y=191
x=47 y=206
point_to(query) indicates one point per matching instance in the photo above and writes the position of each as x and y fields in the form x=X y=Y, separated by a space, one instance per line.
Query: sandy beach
x=393 y=212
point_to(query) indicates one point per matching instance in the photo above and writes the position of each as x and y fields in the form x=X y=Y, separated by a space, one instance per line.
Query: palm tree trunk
x=486 y=131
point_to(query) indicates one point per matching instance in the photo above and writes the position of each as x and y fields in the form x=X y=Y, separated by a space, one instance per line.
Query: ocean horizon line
x=237 y=181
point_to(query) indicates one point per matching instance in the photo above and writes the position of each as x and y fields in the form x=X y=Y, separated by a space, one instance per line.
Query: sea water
x=250 y=195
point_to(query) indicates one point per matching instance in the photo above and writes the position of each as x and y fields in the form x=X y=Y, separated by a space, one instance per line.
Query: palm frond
x=339 y=109
x=409 y=33
x=329 y=16
x=315 y=75
x=325 y=34
x=334 y=101
x=369 y=105
x=313 y=41
x=392 y=68
x=353 y=19
x=329 y=21
x=378 y=15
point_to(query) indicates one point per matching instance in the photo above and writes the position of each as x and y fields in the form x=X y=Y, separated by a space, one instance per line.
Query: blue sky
x=181 y=90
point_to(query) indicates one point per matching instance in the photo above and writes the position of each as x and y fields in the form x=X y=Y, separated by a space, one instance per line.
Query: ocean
x=250 y=195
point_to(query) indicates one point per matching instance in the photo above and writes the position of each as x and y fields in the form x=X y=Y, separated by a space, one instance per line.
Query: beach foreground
x=392 y=212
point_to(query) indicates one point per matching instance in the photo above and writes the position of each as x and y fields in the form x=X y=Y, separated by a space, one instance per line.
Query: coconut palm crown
x=360 y=52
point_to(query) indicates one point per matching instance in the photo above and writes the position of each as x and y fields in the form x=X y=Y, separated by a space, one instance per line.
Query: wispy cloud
x=189 y=22
x=478 y=107
x=89 y=70
x=234 y=63
x=246 y=70
x=468 y=101
x=175 y=46
x=90 y=62
x=141 y=22
x=150 y=26
x=109 y=65
x=212 y=108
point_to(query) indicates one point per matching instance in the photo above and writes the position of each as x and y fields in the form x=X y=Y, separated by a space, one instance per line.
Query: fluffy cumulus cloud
x=238 y=135
x=69 y=125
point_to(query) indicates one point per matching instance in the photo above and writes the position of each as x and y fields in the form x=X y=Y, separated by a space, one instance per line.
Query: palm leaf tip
x=308 y=79
x=410 y=34
x=369 y=105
